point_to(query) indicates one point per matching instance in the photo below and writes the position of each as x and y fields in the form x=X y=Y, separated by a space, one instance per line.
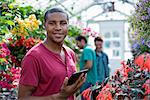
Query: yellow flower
x=30 y=23
x=32 y=17
x=13 y=31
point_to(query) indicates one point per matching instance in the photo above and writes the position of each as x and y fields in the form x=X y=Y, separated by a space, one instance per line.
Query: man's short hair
x=80 y=37
x=53 y=10
x=98 y=38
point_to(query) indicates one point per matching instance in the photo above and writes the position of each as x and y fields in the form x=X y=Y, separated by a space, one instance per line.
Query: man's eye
x=64 y=23
x=50 y=23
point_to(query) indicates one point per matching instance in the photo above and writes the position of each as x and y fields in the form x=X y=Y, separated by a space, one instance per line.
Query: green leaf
x=7 y=14
x=4 y=30
x=2 y=21
x=2 y=60
x=11 y=6
x=9 y=22
x=1 y=68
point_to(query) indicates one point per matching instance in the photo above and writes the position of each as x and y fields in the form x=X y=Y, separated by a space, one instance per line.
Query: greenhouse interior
x=119 y=71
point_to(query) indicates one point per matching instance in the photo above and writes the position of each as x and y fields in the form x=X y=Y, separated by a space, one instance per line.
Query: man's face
x=98 y=45
x=79 y=44
x=56 y=26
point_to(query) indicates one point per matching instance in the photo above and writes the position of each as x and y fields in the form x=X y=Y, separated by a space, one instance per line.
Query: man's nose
x=58 y=27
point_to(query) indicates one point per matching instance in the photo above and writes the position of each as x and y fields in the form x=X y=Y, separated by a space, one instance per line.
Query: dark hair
x=53 y=10
x=98 y=38
x=80 y=37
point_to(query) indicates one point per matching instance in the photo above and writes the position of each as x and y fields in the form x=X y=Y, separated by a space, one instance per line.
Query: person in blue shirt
x=87 y=61
x=102 y=60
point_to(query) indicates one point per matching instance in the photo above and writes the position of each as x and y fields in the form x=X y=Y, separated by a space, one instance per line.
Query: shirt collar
x=66 y=51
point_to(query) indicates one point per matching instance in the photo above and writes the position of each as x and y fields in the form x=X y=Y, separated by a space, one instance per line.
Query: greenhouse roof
x=89 y=9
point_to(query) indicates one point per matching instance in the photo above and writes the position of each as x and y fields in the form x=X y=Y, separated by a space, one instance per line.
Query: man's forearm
x=88 y=64
x=50 y=97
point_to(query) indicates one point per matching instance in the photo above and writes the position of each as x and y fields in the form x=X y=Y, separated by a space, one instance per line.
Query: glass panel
x=107 y=44
x=115 y=34
x=107 y=35
x=116 y=53
x=116 y=44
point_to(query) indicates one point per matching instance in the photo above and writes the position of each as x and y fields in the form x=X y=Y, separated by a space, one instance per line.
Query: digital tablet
x=74 y=77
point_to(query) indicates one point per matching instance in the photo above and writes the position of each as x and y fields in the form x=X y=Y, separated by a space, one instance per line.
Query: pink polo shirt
x=45 y=70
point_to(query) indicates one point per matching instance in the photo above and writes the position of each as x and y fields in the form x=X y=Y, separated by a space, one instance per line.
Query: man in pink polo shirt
x=47 y=66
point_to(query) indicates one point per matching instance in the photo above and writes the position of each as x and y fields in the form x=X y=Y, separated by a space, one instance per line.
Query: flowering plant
x=19 y=46
x=26 y=25
x=9 y=75
x=4 y=54
x=131 y=81
x=9 y=80
x=140 y=27
x=20 y=29
x=11 y=55
x=23 y=38
x=89 y=32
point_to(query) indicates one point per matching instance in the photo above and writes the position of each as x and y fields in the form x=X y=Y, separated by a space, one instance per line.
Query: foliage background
x=132 y=80
x=21 y=27
x=140 y=27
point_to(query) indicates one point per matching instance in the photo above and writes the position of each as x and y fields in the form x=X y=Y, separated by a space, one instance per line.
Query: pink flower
x=9 y=78
x=87 y=29
x=146 y=85
x=4 y=51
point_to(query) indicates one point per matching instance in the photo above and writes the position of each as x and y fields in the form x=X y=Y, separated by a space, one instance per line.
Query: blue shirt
x=102 y=66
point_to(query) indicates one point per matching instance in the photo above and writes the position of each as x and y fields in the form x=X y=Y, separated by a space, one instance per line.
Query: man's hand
x=68 y=90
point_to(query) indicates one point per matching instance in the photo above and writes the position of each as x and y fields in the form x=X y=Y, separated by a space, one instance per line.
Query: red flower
x=104 y=95
x=125 y=69
x=143 y=61
x=87 y=94
x=146 y=85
